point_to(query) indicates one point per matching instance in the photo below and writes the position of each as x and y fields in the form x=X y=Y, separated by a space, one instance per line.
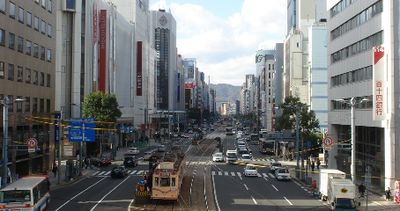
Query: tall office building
x=164 y=39
x=363 y=68
x=27 y=72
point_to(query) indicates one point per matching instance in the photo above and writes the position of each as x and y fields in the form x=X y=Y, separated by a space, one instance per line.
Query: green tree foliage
x=101 y=106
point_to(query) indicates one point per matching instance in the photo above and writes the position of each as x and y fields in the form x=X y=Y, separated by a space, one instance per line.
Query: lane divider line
x=255 y=202
x=275 y=188
x=215 y=194
x=245 y=186
x=288 y=201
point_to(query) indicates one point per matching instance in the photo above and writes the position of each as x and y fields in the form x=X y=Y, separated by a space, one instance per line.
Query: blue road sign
x=76 y=128
x=56 y=127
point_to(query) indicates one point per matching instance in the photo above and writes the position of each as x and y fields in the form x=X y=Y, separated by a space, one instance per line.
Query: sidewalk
x=376 y=200
x=64 y=180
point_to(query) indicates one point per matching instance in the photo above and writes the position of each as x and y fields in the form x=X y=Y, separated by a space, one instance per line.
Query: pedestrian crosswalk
x=234 y=174
x=106 y=173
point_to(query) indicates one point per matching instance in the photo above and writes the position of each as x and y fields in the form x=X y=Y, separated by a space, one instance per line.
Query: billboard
x=379 y=86
x=102 y=56
x=139 y=68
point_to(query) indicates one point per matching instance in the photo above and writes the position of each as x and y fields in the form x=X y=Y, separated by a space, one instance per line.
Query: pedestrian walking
x=312 y=166
x=55 y=169
x=361 y=190
x=388 y=194
x=318 y=163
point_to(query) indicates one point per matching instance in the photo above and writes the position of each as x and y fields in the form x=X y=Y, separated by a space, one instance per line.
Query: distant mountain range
x=226 y=93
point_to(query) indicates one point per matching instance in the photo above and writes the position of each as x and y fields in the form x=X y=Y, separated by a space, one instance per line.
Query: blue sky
x=223 y=35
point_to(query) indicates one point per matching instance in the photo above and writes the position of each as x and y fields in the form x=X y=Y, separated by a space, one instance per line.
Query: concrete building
x=318 y=73
x=278 y=82
x=189 y=65
x=27 y=72
x=363 y=65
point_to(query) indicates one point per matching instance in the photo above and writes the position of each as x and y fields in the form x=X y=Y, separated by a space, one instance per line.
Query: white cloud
x=225 y=47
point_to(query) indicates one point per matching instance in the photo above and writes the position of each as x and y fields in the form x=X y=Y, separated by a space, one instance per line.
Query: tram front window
x=156 y=181
x=165 y=182
x=173 y=182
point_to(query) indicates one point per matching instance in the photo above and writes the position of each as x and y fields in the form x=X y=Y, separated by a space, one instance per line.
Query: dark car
x=130 y=161
x=119 y=172
x=99 y=162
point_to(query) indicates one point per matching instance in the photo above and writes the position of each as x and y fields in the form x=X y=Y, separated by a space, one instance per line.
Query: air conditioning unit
x=69 y=5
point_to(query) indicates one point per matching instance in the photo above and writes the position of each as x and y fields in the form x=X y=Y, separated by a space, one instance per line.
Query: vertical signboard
x=378 y=83
x=57 y=117
x=139 y=68
x=94 y=36
x=102 y=51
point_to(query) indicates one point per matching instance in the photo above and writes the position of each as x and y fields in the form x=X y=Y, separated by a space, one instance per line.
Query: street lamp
x=353 y=102
x=6 y=102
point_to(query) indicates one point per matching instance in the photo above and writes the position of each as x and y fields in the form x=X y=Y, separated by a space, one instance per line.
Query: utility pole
x=297 y=139
x=5 y=140
x=59 y=145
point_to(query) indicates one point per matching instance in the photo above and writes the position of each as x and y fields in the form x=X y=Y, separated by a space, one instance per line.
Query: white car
x=246 y=157
x=275 y=165
x=250 y=170
x=218 y=157
x=282 y=174
x=133 y=151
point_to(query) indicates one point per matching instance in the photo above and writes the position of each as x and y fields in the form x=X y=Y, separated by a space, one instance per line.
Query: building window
x=20 y=14
x=12 y=10
x=35 y=106
x=35 y=50
x=48 y=55
x=43 y=3
x=36 y=23
x=10 y=73
x=27 y=104
x=49 y=30
x=35 y=77
x=42 y=52
x=2 y=6
x=20 y=74
x=11 y=40
x=28 y=19
x=2 y=37
x=50 y=6
x=11 y=105
x=28 y=47
x=37 y=1
x=48 y=80
x=41 y=79
x=48 y=105
x=19 y=104
x=41 y=105
x=43 y=26
x=21 y=44
x=2 y=70
x=28 y=75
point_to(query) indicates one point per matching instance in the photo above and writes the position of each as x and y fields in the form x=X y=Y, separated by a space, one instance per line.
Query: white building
x=354 y=29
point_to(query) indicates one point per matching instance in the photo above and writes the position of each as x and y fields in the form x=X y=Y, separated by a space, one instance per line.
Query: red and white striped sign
x=379 y=86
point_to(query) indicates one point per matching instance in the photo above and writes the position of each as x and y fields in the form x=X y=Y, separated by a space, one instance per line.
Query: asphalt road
x=233 y=191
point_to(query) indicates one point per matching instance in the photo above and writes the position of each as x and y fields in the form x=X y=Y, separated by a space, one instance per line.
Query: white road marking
x=245 y=186
x=107 y=173
x=265 y=178
x=94 y=174
x=255 y=202
x=130 y=205
x=101 y=173
x=213 y=173
x=140 y=172
x=78 y=194
x=134 y=171
x=105 y=201
x=288 y=200
x=275 y=188
x=258 y=175
x=226 y=173
x=271 y=175
x=219 y=173
x=98 y=202
x=233 y=173
x=264 y=174
x=215 y=194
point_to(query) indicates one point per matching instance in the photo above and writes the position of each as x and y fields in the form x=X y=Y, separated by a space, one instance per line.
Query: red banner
x=102 y=43
x=189 y=85
x=139 y=68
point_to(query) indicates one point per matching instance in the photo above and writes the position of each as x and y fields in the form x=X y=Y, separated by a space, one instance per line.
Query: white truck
x=324 y=176
x=231 y=156
x=342 y=194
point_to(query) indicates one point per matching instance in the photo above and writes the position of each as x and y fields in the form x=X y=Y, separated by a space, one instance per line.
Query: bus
x=27 y=193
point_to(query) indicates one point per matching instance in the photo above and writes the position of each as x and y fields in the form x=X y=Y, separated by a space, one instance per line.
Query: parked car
x=250 y=170
x=218 y=157
x=99 y=162
x=133 y=151
x=282 y=174
x=130 y=161
x=119 y=172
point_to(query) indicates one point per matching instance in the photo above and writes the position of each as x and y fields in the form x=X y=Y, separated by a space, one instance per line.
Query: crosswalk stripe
x=239 y=174
x=101 y=173
x=264 y=174
x=107 y=173
x=213 y=173
x=140 y=172
x=94 y=174
x=219 y=173
x=129 y=171
x=258 y=175
x=134 y=171
x=272 y=176
x=226 y=173
x=233 y=173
